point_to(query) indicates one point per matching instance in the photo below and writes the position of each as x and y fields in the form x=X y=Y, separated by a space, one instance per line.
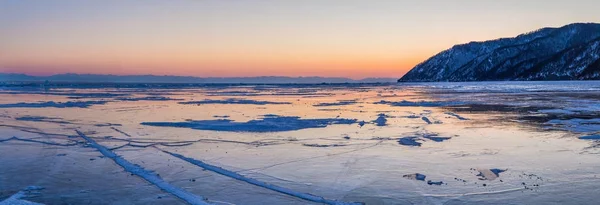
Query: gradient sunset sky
x=222 y=38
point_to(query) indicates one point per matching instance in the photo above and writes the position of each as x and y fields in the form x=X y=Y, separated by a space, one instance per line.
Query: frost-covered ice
x=434 y=143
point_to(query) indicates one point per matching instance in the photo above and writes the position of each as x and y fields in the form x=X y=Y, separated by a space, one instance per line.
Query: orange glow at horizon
x=351 y=68
x=335 y=38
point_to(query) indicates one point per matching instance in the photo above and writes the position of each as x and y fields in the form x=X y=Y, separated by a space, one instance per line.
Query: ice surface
x=145 y=174
x=273 y=187
x=499 y=143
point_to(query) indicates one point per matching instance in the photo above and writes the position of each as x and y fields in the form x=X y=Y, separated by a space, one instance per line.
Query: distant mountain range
x=92 y=78
x=571 y=52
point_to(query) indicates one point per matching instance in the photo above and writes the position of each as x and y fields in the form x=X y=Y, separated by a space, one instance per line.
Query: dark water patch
x=339 y=103
x=43 y=119
x=70 y=95
x=418 y=139
x=90 y=95
x=52 y=104
x=435 y=137
x=405 y=103
x=329 y=109
x=324 y=145
x=108 y=125
x=412 y=116
x=415 y=176
x=590 y=137
x=456 y=116
x=148 y=98
x=381 y=120
x=486 y=108
x=545 y=117
x=426 y=120
x=269 y=123
x=362 y=123
x=439 y=183
x=409 y=141
x=233 y=101
x=576 y=125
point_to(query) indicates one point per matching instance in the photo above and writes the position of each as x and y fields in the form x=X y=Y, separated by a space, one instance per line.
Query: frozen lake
x=419 y=143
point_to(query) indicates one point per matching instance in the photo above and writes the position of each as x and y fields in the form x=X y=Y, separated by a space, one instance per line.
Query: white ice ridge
x=16 y=200
x=145 y=174
x=276 y=188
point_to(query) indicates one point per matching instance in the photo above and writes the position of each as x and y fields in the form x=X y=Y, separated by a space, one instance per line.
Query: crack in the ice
x=273 y=187
x=119 y=131
x=145 y=174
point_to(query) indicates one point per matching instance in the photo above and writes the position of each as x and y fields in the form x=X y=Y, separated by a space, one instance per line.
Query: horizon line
x=192 y=76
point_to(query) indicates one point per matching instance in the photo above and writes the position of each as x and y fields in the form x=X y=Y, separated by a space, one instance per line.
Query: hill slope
x=571 y=52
